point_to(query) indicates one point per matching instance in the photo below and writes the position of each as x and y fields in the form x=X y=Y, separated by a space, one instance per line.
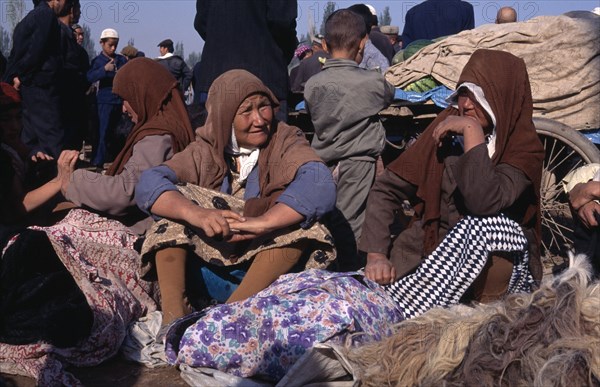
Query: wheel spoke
x=562 y=161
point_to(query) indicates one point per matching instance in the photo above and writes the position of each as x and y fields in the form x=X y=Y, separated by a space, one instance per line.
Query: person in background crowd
x=378 y=38
x=269 y=30
x=103 y=70
x=175 y=64
x=434 y=18
x=79 y=34
x=302 y=52
x=506 y=15
x=372 y=58
x=129 y=52
x=310 y=66
x=73 y=82
x=33 y=67
x=392 y=34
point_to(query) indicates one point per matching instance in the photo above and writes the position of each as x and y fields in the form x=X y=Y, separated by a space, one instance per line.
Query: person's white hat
x=109 y=33
x=372 y=9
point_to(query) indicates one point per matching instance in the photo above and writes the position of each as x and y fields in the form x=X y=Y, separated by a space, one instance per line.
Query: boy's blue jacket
x=105 y=78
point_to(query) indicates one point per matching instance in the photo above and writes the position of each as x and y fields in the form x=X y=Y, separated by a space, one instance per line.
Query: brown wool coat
x=429 y=177
x=203 y=161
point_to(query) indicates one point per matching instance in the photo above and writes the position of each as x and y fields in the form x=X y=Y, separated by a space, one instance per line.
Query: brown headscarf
x=505 y=83
x=154 y=95
x=203 y=162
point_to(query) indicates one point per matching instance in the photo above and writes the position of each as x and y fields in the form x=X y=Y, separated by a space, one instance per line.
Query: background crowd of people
x=215 y=201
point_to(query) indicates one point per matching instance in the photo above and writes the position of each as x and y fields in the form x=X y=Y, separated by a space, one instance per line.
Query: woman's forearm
x=280 y=216
x=41 y=195
x=173 y=205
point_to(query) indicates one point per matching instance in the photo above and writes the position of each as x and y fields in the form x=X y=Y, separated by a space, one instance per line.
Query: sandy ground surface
x=115 y=373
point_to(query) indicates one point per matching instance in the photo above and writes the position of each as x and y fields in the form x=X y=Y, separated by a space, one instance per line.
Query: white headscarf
x=247 y=157
x=480 y=97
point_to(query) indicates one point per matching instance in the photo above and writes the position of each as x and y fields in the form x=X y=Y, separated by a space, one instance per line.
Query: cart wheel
x=566 y=149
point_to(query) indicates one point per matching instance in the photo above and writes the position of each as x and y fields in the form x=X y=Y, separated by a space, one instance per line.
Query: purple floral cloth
x=264 y=335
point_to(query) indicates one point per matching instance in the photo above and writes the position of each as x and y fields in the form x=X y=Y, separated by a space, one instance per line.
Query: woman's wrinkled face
x=469 y=107
x=252 y=121
x=127 y=109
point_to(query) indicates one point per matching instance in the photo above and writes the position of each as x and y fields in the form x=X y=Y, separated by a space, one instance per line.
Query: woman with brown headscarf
x=250 y=189
x=476 y=169
x=162 y=128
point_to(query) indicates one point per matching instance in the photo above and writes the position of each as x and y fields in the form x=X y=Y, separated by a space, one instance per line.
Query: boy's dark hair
x=344 y=30
x=365 y=13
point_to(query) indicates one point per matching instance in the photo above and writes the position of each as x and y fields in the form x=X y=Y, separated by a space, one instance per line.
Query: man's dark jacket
x=258 y=36
x=180 y=70
x=35 y=56
x=435 y=18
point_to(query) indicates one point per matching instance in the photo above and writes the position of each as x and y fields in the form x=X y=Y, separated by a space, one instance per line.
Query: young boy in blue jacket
x=103 y=70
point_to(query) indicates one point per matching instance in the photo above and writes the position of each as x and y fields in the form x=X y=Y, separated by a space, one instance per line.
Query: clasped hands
x=227 y=224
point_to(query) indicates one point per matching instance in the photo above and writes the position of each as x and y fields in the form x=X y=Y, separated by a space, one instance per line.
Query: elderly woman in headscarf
x=473 y=178
x=162 y=128
x=250 y=189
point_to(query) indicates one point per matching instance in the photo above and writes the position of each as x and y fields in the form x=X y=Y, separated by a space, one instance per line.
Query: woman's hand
x=277 y=217
x=587 y=214
x=249 y=229
x=460 y=125
x=584 y=193
x=214 y=223
x=66 y=166
x=380 y=269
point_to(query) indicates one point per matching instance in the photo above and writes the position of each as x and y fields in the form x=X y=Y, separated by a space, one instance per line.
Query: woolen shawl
x=203 y=162
x=154 y=95
x=505 y=83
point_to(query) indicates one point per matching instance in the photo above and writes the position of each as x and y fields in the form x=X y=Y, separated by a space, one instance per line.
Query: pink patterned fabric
x=99 y=254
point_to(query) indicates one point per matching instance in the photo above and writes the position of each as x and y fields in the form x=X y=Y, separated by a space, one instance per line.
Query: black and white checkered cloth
x=446 y=274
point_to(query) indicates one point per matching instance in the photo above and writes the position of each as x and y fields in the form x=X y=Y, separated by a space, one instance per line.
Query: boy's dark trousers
x=108 y=116
x=42 y=129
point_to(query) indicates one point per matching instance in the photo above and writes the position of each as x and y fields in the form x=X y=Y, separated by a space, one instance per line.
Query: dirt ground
x=115 y=373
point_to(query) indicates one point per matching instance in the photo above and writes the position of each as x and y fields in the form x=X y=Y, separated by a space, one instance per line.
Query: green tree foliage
x=88 y=42
x=179 y=51
x=385 y=19
x=328 y=10
x=193 y=58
